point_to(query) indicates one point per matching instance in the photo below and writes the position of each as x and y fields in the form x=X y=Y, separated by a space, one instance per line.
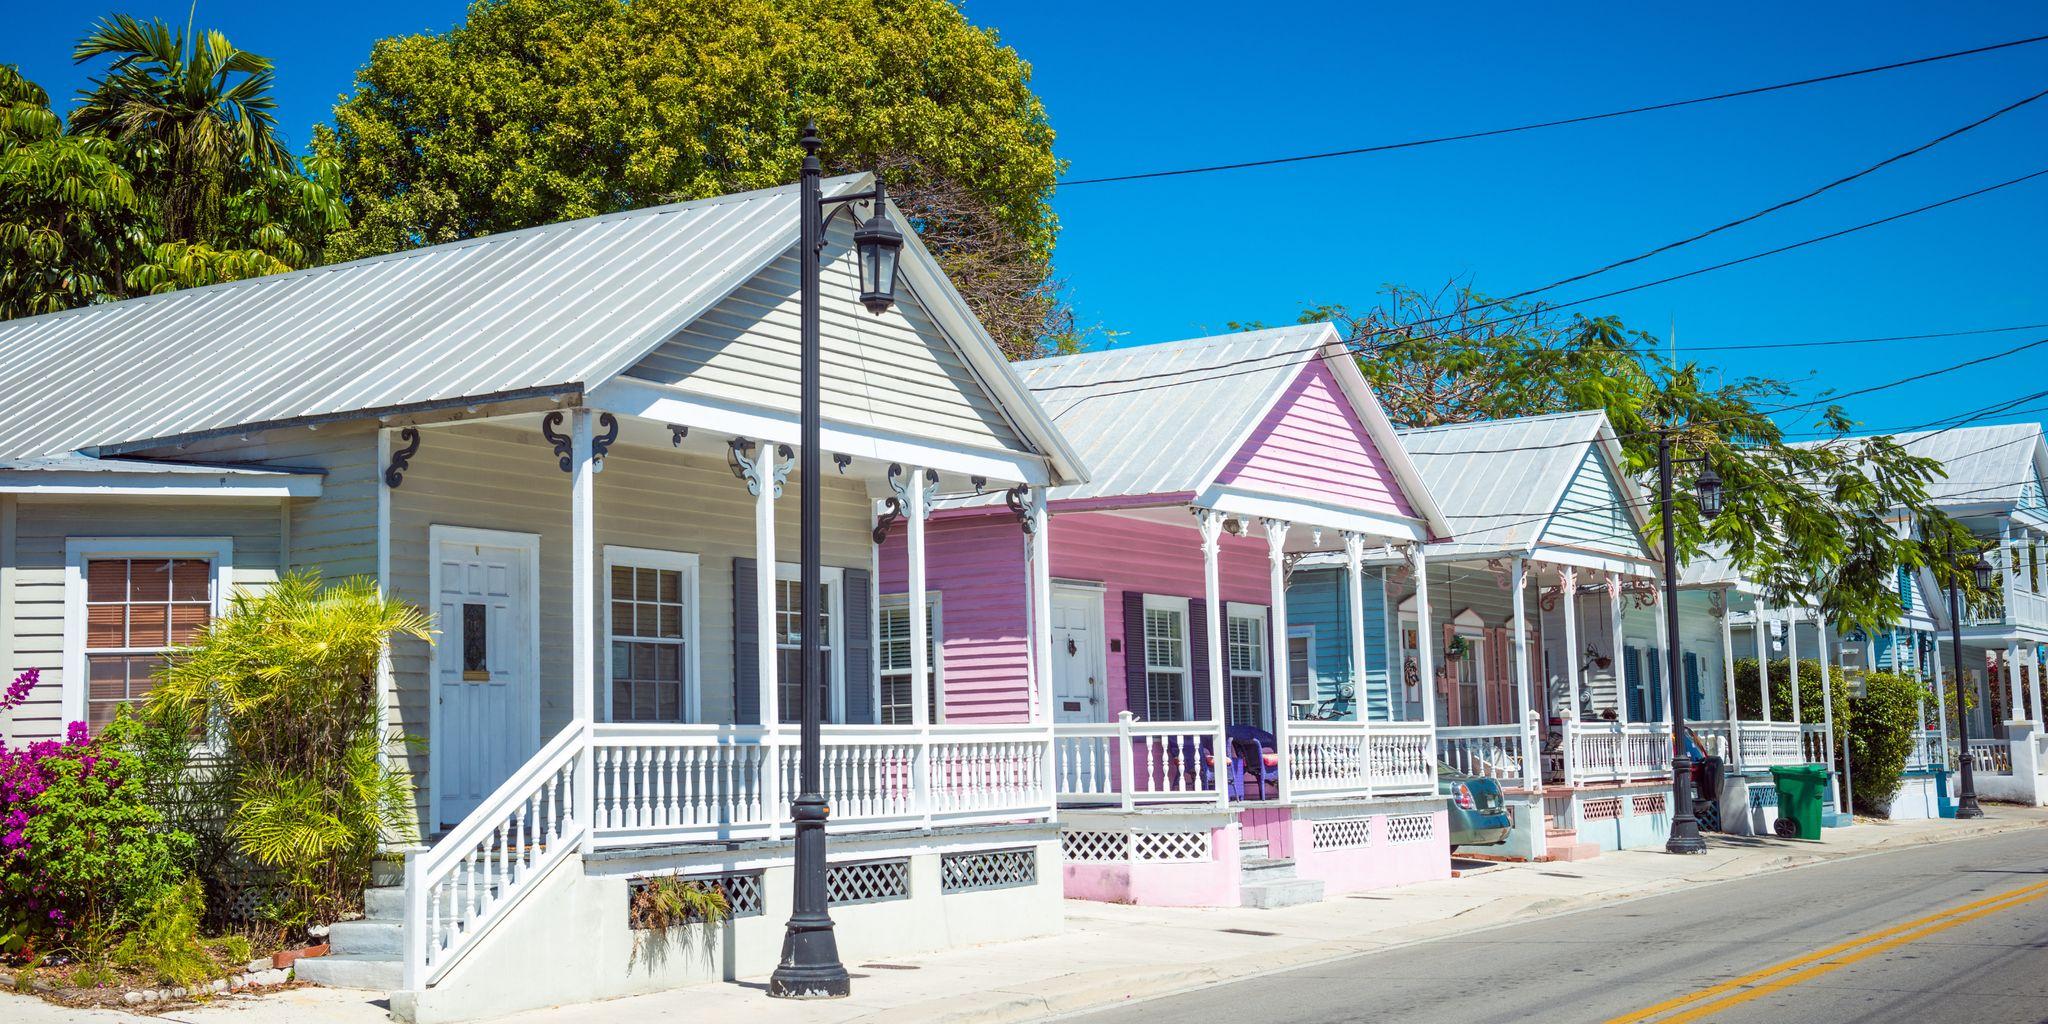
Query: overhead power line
x=1555 y=123
x=1863 y=341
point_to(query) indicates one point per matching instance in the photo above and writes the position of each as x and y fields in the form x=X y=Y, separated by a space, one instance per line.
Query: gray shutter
x=1198 y=649
x=1137 y=701
x=746 y=652
x=860 y=669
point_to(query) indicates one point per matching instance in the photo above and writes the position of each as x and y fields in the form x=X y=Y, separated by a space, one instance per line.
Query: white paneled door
x=484 y=665
x=1079 y=691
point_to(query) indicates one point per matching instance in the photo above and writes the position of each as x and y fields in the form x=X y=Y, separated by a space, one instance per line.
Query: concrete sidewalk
x=1113 y=954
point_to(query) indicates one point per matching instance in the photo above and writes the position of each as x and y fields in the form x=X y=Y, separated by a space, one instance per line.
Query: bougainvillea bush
x=81 y=849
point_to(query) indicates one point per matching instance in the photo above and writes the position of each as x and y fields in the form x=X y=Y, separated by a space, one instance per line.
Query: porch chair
x=1257 y=750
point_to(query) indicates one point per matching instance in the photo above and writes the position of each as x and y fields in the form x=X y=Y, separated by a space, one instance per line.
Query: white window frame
x=1178 y=605
x=687 y=564
x=834 y=578
x=1264 y=630
x=935 y=627
x=1303 y=632
x=219 y=551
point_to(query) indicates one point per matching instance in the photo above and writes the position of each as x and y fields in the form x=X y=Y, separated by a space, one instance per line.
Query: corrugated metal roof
x=1497 y=481
x=548 y=307
x=1986 y=465
x=1139 y=437
x=83 y=464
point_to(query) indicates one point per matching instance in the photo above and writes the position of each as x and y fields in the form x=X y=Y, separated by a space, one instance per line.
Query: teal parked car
x=1479 y=817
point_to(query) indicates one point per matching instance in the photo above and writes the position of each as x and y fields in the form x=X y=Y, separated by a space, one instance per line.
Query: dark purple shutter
x=746 y=654
x=1198 y=649
x=1135 y=697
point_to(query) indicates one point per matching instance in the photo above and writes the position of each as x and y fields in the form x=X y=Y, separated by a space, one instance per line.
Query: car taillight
x=1464 y=795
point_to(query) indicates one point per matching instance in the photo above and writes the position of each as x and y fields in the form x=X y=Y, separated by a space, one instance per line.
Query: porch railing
x=456 y=891
x=1498 y=752
x=1926 y=749
x=1991 y=756
x=1613 y=752
x=1327 y=760
x=1813 y=743
x=1129 y=762
x=1770 y=743
x=2017 y=608
x=669 y=783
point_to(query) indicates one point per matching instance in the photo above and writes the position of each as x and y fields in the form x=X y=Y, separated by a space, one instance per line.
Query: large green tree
x=1806 y=517
x=535 y=111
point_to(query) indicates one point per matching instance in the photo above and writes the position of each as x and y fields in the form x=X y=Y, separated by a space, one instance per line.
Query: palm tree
x=196 y=110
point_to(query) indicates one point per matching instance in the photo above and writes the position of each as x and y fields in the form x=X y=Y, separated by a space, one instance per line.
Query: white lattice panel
x=988 y=869
x=1095 y=847
x=1606 y=808
x=1341 y=833
x=1649 y=803
x=1410 y=828
x=871 y=881
x=1170 y=846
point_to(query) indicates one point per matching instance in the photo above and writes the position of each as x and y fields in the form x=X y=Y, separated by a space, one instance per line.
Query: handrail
x=456 y=891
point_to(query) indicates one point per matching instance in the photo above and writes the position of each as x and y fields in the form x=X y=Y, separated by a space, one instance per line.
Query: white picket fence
x=1613 y=752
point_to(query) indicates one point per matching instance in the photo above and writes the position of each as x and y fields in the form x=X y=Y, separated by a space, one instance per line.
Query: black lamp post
x=1966 y=794
x=810 y=967
x=1685 y=827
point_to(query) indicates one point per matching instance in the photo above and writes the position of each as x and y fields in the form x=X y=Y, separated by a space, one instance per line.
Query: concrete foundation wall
x=1383 y=858
x=1623 y=817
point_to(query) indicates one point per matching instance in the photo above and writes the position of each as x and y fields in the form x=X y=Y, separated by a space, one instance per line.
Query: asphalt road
x=1956 y=931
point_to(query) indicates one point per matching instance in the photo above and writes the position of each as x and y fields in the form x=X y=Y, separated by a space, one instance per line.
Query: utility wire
x=1557 y=123
x=1862 y=341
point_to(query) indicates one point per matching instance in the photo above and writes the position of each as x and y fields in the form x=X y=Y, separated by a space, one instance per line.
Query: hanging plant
x=1458 y=646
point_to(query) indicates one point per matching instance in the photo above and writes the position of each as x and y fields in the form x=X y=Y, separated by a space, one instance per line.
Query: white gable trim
x=1634 y=500
x=1233 y=501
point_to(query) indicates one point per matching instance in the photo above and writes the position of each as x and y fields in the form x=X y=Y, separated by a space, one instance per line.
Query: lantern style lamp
x=1983 y=572
x=1708 y=490
x=878 y=243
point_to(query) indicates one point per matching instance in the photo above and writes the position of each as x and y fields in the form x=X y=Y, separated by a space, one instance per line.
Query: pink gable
x=1312 y=445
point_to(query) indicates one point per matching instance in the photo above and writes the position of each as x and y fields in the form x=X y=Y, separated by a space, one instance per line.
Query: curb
x=1081 y=992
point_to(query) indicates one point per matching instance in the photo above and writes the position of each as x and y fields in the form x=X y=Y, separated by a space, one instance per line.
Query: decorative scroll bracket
x=1019 y=500
x=676 y=434
x=602 y=443
x=565 y=451
x=401 y=458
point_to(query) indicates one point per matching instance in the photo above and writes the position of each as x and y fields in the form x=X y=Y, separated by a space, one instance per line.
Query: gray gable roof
x=547 y=310
x=1499 y=481
x=1991 y=464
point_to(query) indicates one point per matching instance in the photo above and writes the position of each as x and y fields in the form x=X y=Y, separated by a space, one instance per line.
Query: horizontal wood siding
x=977 y=564
x=336 y=532
x=897 y=371
x=1591 y=514
x=498 y=478
x=43 y=525
x=1313 y=445
x=1149 y=558
x=1321 y=598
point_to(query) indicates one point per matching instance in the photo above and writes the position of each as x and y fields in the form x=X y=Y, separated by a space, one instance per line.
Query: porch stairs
x=1267 y=882
x=365 y=953
x=1563 y=843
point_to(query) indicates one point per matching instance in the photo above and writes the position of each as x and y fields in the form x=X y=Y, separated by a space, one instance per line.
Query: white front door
x=484 y=666
x=1079 y=691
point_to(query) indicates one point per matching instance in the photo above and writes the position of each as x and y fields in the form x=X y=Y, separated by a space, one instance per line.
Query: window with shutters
x=789 y=640
x=894 y=653
x=652 y=624
x=1166 y=658
x=130 y=602
x=1245 y=658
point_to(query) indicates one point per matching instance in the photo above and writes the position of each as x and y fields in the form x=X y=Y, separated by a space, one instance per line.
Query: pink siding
x=977 y=563
x=1313 y=445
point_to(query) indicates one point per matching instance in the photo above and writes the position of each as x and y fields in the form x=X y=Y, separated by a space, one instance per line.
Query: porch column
x=1792 y=659
x=2034 y=687
x=1728 y=678
x=760 y=477
x=1664 y=642
x=1827 y=712
x=1276 y=612
x=920 y=633
x=583 y=609
x=1425 y=639
x=1621 y=680
x=1532 y=743
x=2010 y=673
x=1354 y=594
x=1568 y=593
x=1763 y=659
x=1210 y=522
x=1040 y=550
x=1940 y=698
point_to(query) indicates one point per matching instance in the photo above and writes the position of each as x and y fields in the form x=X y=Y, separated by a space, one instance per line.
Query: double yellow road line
x=1708 y=1001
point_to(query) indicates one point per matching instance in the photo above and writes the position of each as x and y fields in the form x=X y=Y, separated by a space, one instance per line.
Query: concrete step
x=387 y=870
x=352 y=970
x=1281 y=893
x=1266 y=869
x=384 y=903
x=1254 y=849
x=368 y=937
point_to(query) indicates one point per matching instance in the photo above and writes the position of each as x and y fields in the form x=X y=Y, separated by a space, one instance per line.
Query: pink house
x=1215 y=464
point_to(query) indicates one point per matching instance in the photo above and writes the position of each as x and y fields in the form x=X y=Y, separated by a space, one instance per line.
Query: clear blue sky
x=1141 y=86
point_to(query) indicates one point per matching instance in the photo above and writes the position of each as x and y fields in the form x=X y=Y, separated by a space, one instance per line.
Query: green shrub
x=1886 y=717
x=164 y=939
x=1749 y=705
x=286 y=684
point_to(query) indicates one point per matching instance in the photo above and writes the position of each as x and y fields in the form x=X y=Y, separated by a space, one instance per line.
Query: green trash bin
x=1802 y=793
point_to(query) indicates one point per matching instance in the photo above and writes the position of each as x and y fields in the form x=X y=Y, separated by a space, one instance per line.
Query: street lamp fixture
x=1685 y=827
x=810 y=967
x=1707 y=491
x=1983 y=571
x=1966 y=793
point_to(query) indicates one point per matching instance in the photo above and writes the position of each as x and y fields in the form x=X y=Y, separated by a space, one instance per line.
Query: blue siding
x=1591 y=512
x=1316 y=598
